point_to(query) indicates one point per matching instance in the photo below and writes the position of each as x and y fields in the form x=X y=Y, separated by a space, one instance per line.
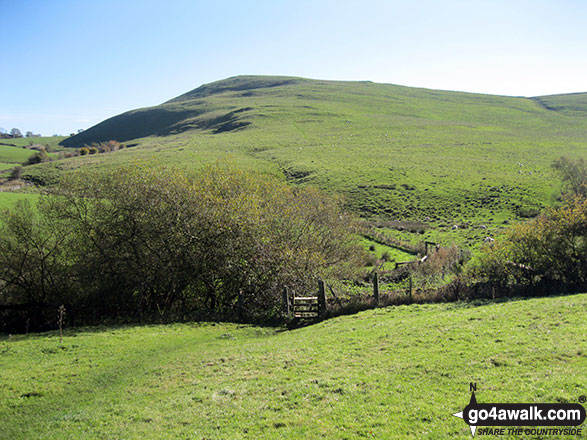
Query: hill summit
x=233 y=103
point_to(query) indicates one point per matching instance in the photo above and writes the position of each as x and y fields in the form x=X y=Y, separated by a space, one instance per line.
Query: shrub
x=84 y=151
x=143 y=243
x=16 y=173
x=113 y=145
x=38 y=157
x=34 y=266
x=548 y=249
x=573 y=173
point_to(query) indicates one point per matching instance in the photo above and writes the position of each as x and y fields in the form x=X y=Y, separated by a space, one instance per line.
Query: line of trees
x=142 y=243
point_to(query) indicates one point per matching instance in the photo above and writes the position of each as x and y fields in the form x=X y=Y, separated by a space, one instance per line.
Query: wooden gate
x=305 y=307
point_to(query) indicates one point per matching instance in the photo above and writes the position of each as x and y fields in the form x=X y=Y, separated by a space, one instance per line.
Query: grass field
x=394 y=254
x=14 y=155
x=12 y=151
x=51 y=143
x=393 y=152
x=393 y=373
x=8 y=199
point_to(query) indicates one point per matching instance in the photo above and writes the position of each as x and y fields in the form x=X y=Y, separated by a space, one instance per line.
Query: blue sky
x=71 y=64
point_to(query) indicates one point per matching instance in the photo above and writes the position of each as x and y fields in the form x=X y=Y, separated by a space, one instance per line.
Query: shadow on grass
x=158 y=121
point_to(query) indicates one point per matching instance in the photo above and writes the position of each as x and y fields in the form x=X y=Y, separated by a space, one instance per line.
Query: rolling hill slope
x=394 y=152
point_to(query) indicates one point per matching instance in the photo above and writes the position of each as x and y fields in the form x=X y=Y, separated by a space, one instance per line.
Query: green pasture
x=392 y=373
x=394 y=254
x=49 y=142
x=14 y=155
x=9 y=199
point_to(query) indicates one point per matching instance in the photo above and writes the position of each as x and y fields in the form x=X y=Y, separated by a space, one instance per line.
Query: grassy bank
x=398 y=373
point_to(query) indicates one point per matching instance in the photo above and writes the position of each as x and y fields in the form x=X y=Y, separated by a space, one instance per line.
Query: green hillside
x=395 y=153
x=11 y=156
x=394 y=373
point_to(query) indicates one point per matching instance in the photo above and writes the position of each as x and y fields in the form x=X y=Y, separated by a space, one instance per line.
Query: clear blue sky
x=70 y=64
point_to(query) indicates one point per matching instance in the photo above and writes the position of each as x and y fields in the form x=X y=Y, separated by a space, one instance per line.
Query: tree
x=16 y=133
x=550 y=248
x=573 y=173
x=33 y=262
x=29 y=134
x=16 y=173
x=145 y=242
x=38 y=157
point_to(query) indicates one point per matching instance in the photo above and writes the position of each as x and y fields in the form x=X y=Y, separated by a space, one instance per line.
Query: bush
x=84 y=151
x=16 y=173
x=34 y=265
x=38 y=157
x=550 y=249
x=146 y=243
x=573 y=173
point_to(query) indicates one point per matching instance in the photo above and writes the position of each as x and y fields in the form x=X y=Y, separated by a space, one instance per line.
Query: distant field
x=13 y=155
x=395 y=255
x=12 y=151
x=6 y=166
x=393 y=373
x=8 y=199
x=50 y=142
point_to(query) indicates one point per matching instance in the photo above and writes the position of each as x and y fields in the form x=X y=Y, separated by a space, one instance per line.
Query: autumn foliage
x=551 y=249
x=138 y=243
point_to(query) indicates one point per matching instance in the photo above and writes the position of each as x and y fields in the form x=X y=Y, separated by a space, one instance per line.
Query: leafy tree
x=16 y=173
x=157 y=242
x=38 y=157
x=548 y=249
x=33 y=261
x=16 y=133
x=573 y=173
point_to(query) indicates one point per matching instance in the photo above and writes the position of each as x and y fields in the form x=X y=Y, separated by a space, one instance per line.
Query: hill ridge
x=193 y=110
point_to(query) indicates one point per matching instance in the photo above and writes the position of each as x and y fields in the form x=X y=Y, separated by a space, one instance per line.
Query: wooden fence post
x=286 y=300
x=321 y=299
x=410 y=291
x=376 y=289
x=241 y=305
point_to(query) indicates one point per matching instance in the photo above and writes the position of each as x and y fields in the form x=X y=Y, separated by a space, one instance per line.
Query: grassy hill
x=394 y=152
x=393 y=373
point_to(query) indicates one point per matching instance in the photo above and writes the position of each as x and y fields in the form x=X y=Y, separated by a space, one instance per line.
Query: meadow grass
x=9 y=199
x=14 y=155
x=393 y=373
x=49 y=142
x=378 y=250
